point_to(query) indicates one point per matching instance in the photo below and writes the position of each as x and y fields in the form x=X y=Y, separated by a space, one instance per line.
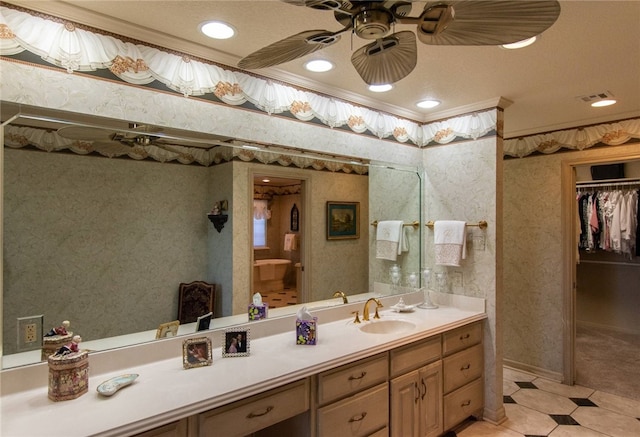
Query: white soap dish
x=111 y=386
x=401 y=307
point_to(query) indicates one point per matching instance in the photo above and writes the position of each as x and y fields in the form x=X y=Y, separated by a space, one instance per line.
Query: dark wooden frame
x=337 y=227
x=195 y=299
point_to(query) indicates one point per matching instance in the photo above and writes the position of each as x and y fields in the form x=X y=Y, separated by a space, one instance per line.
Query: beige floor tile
x=570 y=391
x=575 y=431
x=607 y=422
x=618 y=404
x=527 y=421
x=544 y=402
x=517 y=375
x=509 y=387
x=486 y=429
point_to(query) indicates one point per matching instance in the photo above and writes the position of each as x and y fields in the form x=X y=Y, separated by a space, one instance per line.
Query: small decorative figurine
x=70 y=348
x=60 y=330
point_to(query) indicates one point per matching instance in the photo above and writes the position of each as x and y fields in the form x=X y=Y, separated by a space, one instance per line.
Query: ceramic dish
x=111 y=386
x=401 y=308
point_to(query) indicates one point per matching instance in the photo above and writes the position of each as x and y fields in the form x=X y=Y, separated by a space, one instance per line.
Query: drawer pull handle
x=358 y=418
x=353 y=378
x=415 y=386
x=465 y=403
x=424 y=387
x=465 y=337
x=266 y=411
x=465 y=367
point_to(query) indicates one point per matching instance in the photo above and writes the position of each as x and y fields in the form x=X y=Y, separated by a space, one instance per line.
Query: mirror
x=105 y=243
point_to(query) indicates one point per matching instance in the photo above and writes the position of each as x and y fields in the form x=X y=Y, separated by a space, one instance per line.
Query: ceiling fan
x=392 y=56
x=115 y=141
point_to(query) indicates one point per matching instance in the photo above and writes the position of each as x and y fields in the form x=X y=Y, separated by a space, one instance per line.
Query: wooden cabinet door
x=405 y=405
x=430 y=380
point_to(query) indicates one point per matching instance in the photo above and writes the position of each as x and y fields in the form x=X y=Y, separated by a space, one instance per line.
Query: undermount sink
x=387 y=326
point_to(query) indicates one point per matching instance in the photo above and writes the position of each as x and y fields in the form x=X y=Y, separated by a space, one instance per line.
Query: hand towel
x=389 y=239
x=450 y=241
x=290 y=242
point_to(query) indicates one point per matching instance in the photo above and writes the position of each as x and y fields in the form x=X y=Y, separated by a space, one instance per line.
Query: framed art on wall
x=343 y=220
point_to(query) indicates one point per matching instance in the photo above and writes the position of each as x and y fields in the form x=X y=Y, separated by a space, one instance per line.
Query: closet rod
x=608 y=182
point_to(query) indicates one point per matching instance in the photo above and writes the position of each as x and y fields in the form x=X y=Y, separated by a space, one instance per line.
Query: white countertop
x=166 y=392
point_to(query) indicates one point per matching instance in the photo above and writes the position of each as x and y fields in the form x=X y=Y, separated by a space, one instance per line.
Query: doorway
x=602 y=290
x=278 y=246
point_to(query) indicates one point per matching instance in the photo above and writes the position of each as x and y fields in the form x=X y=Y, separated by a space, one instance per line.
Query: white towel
x=450 y=241
x=290 y=242
x=389 y=239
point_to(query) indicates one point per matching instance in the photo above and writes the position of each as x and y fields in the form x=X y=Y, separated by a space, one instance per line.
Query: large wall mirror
x=103 y=239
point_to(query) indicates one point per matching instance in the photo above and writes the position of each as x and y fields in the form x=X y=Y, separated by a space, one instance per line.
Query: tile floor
x=277 y=299
x=538 y=407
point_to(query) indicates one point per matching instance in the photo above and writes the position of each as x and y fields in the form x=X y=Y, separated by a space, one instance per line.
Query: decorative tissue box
x=306 y=331
x=258 y=312
x=68 y=376
x=50 y=345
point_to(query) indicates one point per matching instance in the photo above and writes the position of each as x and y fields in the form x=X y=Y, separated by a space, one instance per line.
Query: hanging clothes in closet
x=609 y=219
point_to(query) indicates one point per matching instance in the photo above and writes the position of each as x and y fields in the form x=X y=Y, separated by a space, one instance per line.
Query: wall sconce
x=216 y=215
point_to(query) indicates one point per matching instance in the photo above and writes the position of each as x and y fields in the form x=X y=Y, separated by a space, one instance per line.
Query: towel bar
x=414 y=224
x=482 y=224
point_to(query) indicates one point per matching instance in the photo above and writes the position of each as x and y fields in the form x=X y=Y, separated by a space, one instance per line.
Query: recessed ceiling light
x=520 y=44
x=249 y=147
x=380 y=88
x=217 y=29
x=318 y=66
x=604 y=102
x=266 y=180
x=428 y=104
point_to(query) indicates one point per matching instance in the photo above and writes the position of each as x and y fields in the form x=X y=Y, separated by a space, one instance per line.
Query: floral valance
x=611 y=134
x=17 y=137
x=75 y=49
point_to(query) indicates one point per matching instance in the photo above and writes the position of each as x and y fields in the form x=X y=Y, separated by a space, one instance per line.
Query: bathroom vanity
x=422 y=376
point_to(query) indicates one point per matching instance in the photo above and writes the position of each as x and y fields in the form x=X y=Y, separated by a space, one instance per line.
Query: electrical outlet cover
x=30 y=333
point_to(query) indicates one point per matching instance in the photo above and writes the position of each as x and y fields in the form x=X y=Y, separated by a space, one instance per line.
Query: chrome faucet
x=342 y=295
x=365 y=312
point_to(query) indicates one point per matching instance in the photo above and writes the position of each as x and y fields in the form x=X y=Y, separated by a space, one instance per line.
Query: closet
x=608 y=280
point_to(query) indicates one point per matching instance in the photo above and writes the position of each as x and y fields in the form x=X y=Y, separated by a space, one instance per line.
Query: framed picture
x=343 y=220
x=196 y=352
x=169 y=329
x=236 y=342
x=202 y=323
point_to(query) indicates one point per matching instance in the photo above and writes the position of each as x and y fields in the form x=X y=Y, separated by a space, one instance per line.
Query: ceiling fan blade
x=325 y=5
x=485 y=22
x=387 y=60
x=288 y=49
x=111 y=148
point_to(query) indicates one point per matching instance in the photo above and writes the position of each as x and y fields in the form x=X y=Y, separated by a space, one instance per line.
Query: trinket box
x=68 y=376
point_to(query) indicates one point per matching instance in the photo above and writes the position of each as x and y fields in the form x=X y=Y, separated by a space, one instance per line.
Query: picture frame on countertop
x=196 y=352
x=236 y=342
x=169 y=329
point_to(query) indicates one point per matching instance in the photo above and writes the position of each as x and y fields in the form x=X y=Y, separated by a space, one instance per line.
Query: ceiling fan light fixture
x=319 y=65
x=520 y=44
x=428 y=103
x=217 y=29
x=382 y=88
x=604 y=102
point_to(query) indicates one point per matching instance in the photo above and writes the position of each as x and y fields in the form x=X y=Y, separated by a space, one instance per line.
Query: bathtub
x=268 y=274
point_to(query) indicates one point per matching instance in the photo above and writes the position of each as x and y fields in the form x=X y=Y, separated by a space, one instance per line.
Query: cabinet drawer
x=257 y=412
x=462 y=368
x=360 y=415
x=352 y=378
x=175 y=429
x=462 y=403
x=461 y=338
x=410 y=357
